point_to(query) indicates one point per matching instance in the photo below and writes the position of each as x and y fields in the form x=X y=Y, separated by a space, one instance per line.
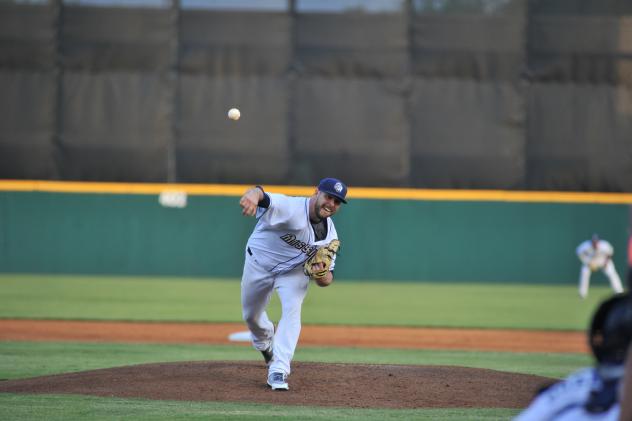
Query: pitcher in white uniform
x=596 y=254
x=289 y=230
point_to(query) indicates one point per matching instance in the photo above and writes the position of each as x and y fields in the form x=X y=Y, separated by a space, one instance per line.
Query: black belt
x=249 y=252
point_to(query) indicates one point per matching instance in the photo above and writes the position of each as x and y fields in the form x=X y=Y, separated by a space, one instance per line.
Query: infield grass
x=352 y=303
x=217 y=300
x=31 y=359
x=71 y=408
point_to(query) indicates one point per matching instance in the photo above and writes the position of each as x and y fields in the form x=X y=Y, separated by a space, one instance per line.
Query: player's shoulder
x=605 y=244
x=584 y=245
x=282 y=199
x=559 y=396
x=582 y=375
x=580 y=379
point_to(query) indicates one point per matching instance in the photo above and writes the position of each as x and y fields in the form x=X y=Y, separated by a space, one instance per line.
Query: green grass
x=217 y=300
x=353 y=303
x=31 y=359
x=70 y=407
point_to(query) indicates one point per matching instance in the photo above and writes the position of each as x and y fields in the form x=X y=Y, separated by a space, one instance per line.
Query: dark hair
x=611 y=329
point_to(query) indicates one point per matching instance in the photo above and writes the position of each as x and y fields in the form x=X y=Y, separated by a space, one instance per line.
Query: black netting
x=511 y=94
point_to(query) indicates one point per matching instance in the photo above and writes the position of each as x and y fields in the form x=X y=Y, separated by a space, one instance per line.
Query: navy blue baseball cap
x=333 y=187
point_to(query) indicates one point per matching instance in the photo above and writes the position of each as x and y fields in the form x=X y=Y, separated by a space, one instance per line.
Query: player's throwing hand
x=249 y=201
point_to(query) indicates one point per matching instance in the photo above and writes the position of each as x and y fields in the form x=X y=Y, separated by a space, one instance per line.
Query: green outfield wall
x=385 y=239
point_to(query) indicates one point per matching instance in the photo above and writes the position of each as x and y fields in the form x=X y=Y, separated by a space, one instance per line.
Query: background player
x=626 y=402
x=593 y=393
x=289 y=230
x=630 y=262
x=596 y=254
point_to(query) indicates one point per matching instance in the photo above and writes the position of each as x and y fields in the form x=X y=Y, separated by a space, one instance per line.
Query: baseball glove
x=324 y=254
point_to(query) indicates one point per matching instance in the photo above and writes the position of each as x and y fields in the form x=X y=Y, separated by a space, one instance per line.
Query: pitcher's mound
x=311 y=384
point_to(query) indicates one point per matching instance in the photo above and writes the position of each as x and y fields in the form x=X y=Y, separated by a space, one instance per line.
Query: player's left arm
x=326 y=280
x=329 y=276
x=608 y=251
x=320 y=267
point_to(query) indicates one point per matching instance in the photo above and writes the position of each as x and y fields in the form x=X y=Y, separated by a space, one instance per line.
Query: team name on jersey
x=291 y=240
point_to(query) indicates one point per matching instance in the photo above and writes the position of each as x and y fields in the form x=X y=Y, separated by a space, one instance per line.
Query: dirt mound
x=311 y=384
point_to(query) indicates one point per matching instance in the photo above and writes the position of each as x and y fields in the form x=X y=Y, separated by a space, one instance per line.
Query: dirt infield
x=313 y=384
x=349 y=336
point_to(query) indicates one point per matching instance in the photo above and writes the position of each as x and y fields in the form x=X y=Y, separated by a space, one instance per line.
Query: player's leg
x=584 y=281
x=256 y=290
x=292 y=288
x=613 y=276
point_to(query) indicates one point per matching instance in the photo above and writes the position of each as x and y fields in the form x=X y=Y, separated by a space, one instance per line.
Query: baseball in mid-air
x=234 y=114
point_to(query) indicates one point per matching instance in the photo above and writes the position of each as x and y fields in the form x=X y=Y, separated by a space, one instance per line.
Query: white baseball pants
x=608 y=269
x=257 y=285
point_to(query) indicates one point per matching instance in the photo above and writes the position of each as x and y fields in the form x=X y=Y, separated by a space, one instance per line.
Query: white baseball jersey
x=566 y=400
x=283 y=238
x=595 y=256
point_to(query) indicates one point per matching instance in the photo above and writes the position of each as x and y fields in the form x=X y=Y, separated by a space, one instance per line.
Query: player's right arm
x=584 y=253
x=608 y=251
x=252 y=199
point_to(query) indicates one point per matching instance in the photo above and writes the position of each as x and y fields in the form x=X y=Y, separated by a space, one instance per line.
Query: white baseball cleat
x=278 y=381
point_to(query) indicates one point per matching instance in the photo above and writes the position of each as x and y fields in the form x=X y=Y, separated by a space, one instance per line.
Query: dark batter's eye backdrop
x=501 y=94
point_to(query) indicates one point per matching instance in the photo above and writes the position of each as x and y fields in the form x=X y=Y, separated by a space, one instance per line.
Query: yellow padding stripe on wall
x=354 y=192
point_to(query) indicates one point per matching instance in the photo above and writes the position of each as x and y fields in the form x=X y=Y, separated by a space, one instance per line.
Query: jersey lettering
x=286 y=219
x=291 y=240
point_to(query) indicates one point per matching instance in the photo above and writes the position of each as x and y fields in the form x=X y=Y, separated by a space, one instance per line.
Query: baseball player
x=592 y=393
x=292 y=242
x=626 y=403
x=596 y=254
x=630 y=262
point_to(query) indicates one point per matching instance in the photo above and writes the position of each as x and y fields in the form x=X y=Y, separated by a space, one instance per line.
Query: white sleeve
x=582 y=253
